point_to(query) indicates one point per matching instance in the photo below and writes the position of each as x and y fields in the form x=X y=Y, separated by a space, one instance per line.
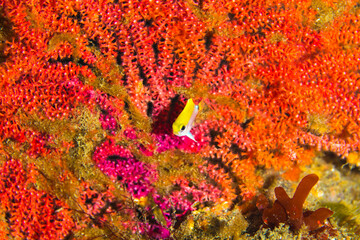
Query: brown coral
x=290 y=210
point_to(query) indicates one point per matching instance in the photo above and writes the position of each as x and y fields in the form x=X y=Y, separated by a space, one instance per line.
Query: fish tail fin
x=201 y=105
x=189 y=135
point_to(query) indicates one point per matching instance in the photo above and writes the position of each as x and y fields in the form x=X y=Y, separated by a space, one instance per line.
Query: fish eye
x=182 y=128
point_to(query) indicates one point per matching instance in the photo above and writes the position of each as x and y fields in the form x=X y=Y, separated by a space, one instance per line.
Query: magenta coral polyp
x=119 y=163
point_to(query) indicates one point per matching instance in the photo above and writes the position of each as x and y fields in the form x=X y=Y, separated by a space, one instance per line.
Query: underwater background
x=90 y=91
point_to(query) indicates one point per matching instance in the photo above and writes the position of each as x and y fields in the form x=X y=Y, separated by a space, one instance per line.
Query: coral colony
x=90 y=90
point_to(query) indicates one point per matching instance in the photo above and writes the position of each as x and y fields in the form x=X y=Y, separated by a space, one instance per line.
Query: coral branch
x=290 y=210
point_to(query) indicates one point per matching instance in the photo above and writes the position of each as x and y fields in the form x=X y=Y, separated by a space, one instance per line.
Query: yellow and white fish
x=184 y=122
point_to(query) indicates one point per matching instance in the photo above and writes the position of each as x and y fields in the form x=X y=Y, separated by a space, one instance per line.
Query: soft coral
x=290 y=210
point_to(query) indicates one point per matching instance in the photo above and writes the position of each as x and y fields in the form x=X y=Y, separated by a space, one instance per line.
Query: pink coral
x=187 y=194
x=107 y=113
x=118 y=162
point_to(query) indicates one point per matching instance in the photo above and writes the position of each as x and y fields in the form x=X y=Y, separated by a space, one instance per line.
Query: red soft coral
x=290 y=210
x=31 y=213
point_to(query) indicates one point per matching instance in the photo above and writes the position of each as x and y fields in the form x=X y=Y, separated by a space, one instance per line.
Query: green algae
x=206 y=224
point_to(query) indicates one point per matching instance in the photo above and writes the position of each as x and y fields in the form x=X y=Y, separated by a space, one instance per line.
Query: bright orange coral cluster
x=297 y=91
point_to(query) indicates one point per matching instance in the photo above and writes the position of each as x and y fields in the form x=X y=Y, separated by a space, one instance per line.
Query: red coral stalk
x=290 y=210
